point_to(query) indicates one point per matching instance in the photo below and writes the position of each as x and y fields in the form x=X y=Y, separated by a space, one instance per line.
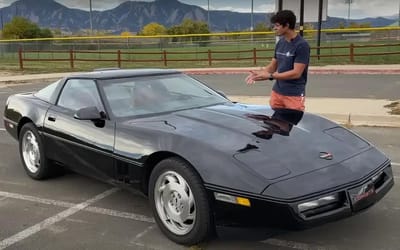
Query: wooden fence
x=209 y=56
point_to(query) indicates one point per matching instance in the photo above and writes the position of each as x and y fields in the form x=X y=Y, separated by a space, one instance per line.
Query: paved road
x=44 y=215
x=336 y=86
x=333 y=86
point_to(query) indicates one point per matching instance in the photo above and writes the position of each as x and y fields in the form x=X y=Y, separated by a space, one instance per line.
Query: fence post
x=165 y=57
x=209 y=58
x=254 y=56
x=71 y=58
x=21 y=62
x=351 y=52
x=119 y=58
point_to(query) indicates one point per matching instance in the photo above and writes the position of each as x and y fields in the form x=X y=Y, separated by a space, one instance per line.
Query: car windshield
x=46 y=93
x=157 y=94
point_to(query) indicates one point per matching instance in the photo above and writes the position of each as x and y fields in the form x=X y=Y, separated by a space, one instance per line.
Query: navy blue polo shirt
x=286 y=54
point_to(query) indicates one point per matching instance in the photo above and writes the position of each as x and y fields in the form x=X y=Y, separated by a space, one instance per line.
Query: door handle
x=51 y=118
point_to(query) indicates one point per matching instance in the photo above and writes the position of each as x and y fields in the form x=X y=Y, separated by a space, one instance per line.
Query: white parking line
x=292 y=244
x=37 y=199
x=54 y=219
x=2 y=129
x=125 y=215
x=12 y=183
x=97 y=210
x=140 y=235
x=395 y=164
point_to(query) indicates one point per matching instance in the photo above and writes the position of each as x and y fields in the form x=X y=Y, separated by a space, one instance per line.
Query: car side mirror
x=89 y=113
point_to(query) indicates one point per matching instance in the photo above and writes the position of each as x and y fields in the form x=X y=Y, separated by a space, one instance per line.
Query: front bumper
x=352 y=199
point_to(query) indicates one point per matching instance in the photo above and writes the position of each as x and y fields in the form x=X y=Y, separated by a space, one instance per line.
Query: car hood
x=240 y=147
x=252 y=136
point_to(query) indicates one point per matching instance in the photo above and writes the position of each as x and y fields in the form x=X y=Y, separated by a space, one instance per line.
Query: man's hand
x=254 y=76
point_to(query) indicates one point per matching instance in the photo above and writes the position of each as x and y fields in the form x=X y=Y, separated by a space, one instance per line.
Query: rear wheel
x=32 y=153
x=179 y=202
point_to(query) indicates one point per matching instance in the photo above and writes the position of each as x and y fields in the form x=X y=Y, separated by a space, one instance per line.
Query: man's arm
x=271 y=67
x=295 y=73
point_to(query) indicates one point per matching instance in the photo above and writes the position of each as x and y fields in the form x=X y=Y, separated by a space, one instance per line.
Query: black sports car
x=199 y=157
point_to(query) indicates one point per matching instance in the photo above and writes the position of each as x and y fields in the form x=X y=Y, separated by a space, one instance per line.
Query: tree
x=44 y=33
x=126 y=33
x=57 y=32
x=189 y=26
x=175 y=30
x=359 y=25
x=153 y=29
x=262 y=27
x=22 y=28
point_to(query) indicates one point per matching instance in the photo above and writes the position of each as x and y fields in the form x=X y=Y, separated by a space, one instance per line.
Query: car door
x=85 y=146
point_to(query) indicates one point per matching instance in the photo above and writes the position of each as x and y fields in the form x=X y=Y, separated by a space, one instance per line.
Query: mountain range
x=133 y=15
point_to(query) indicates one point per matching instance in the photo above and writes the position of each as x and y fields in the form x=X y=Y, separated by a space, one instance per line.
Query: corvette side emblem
x=325 y=155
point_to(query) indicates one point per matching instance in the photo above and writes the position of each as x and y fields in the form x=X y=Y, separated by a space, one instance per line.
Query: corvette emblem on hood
x=325 y=155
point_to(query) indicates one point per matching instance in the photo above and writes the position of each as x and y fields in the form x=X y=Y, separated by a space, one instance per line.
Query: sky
x=336 y=8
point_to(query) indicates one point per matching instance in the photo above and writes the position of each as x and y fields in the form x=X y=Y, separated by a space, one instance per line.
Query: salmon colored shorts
x=289 y=102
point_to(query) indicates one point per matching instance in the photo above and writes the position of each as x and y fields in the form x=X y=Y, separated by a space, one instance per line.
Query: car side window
x=79 y=93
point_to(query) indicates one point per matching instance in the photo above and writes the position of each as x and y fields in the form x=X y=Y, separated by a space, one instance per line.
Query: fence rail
x=209 y=56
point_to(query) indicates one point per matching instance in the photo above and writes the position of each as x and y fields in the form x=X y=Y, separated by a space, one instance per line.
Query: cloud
x=266 y=8
x=5 y=3
x=363 y=8
x=96 y=4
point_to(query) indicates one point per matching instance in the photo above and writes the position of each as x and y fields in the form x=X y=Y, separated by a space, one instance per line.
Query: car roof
x=124 y=73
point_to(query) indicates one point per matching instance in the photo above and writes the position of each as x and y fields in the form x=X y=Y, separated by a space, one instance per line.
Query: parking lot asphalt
x=75 y=212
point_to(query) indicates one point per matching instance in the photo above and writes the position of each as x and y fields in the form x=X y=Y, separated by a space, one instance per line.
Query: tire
x=180 y=203
x=32 y=155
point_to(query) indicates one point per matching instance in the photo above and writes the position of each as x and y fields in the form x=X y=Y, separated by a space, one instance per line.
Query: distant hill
x=132 y=16
x=334 y=22
x=393 y=17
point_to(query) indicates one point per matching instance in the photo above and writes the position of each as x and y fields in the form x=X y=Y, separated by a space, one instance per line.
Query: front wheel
x=179 y=202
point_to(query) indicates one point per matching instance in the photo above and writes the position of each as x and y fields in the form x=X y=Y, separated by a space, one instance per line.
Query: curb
x=363 y=120
x=376 y=116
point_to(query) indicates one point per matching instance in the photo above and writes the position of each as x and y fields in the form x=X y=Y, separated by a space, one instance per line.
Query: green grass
x=196 y=55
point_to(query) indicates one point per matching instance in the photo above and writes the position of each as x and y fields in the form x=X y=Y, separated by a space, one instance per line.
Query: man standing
x=289 y=67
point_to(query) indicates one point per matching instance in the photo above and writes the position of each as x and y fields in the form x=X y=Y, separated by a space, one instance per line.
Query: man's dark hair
x=284 y=17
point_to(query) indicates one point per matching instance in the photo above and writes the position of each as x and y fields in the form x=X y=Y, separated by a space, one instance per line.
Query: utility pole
x=348 y=11
x=320 y=7
x=2 y=23
x=252 y=19
x=280 y=7
x=301 y=17
x=90 y=17
x=208 y=15
x=398 y=23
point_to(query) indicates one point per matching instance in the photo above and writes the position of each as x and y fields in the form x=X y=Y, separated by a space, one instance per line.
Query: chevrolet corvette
x=200 y=158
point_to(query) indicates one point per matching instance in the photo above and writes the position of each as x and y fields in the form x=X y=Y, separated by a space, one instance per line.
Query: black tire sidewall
x=204 y=222
x=42 y=170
